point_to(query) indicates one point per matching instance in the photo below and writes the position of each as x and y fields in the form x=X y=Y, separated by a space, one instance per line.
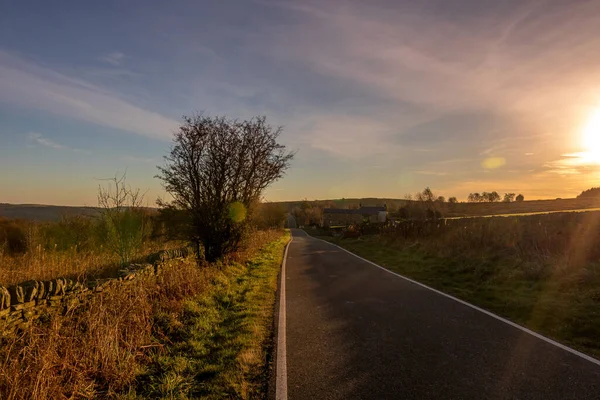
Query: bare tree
x=123 y=219
x=426 y=195
x=216 y=171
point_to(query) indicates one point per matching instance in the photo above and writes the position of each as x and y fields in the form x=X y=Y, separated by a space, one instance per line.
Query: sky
x=377 y=98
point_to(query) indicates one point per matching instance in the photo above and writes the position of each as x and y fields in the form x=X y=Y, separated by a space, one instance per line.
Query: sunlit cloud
x=574 y=164
x=392 y=52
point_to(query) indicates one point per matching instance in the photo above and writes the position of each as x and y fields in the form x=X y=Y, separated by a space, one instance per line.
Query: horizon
x=378 y=100
x=299 y=200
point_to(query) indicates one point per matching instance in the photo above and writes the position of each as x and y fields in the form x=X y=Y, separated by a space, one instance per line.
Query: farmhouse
x=345 y=217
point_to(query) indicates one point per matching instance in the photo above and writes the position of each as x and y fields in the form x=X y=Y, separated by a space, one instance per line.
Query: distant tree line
x=493 y=197
x=591 y=193
x=428 y=196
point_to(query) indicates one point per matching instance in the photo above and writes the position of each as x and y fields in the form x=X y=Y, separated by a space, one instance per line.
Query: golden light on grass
x=493 y=162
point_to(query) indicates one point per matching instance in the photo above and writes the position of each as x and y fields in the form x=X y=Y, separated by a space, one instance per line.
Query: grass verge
x=216 y=344
x=561 y=303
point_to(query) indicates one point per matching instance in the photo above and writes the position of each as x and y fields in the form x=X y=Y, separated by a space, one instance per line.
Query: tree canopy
x=216 y=171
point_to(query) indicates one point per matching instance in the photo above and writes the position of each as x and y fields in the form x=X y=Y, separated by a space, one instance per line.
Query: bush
x=12 y=236
x=69 y=232
x=270 y=216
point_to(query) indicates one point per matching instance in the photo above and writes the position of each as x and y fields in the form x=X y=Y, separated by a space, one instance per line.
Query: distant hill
x=38 y=212
x=346 y=203
x=462 y=209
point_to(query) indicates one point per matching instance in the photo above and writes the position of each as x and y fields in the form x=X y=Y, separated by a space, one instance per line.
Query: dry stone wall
x=23 y=303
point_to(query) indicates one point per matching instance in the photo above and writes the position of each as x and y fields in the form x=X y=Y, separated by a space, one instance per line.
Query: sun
x=591 y=136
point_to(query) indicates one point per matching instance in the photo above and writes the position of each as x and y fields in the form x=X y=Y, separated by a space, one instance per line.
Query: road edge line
x=281 y=375
x=491 y=314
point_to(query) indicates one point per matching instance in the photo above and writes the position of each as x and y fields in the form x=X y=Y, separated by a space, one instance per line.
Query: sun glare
x=591 y=136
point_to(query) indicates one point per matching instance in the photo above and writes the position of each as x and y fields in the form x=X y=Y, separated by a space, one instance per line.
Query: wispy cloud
x=44 y=141
x=114 y=58
x=27 y=84
x=325 y=134
x=527 y=67
x=139 y=160
x=397 y=53
x=491 y=61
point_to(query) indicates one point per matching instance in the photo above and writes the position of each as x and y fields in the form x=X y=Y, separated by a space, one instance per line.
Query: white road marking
x=537 y=335
x=281 y=378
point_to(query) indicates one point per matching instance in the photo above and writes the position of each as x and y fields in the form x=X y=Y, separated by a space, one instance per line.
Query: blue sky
x=378 y=98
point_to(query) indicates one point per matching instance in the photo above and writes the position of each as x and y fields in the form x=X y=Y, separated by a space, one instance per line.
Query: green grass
x=563 y=304
x=217 y=346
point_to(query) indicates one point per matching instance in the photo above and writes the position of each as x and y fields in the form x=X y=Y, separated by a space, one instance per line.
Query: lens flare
x=493 y=162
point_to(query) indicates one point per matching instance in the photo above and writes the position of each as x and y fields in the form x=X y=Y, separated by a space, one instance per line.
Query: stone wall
x=28 y=301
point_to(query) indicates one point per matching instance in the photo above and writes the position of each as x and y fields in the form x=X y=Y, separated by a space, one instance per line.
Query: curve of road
x=354 y=331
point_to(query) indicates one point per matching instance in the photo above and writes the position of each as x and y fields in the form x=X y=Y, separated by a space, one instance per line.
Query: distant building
x=345 y=217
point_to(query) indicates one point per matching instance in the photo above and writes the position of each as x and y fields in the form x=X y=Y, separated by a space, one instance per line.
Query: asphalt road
x=355 y=331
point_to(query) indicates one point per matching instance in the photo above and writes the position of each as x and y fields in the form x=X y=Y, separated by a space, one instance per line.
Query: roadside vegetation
x=191 y=333
x=215 y=343
x=541 y=271
x=202 y=327
x=75 y=247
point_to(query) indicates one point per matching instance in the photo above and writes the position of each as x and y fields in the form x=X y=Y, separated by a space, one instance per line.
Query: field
x=524 y=207
x=541 y=271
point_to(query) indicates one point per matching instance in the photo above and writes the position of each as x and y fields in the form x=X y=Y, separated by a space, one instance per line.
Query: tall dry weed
x=91 y=352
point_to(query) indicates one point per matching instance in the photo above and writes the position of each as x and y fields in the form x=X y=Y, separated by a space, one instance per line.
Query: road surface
x=355 y=331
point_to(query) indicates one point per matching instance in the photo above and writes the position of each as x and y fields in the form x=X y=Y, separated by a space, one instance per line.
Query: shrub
x=12 y=236
x=69 y=232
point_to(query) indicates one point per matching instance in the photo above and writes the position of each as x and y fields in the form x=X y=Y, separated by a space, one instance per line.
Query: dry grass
x=43 y=264
x=190 y=330
x=571 y=238
x=91 y=352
